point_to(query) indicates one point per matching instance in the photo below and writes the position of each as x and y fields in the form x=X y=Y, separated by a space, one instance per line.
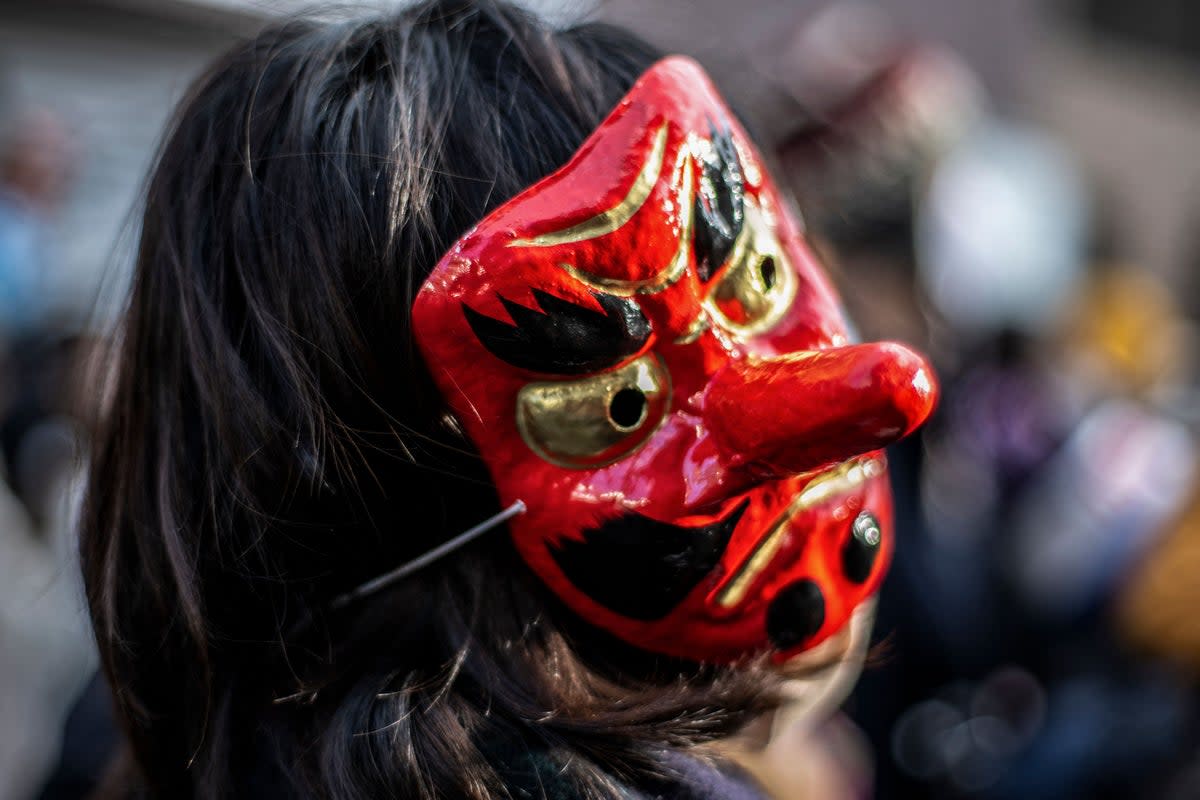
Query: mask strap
x=425 y=559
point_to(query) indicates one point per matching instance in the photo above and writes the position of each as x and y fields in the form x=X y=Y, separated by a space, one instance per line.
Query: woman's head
x=273 y=437
x=289 y=418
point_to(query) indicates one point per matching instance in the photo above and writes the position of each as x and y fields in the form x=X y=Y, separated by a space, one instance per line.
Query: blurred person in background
x=45 y=651
x=1058 y=453
x=36 y=162
x=1054 y=461
x=37 y=403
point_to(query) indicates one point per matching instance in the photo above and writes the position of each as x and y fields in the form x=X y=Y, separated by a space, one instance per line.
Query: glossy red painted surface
x=793 y=414
x=752 y=418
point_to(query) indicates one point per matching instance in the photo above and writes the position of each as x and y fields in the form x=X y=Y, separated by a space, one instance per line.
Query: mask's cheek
x=577 y=450
x=844 y=561
x=573 y=537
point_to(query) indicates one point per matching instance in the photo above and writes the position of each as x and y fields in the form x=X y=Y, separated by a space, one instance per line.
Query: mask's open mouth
x=833 y=482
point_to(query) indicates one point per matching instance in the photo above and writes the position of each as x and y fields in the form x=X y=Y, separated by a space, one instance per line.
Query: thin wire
x=424 y=560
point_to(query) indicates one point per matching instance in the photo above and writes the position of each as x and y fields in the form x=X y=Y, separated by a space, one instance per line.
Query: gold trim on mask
x=744 y=281
x=571 y=423
x=699 y=325
x=612 y=219
x=679 y=262
x=839 y=480
x=764 y=294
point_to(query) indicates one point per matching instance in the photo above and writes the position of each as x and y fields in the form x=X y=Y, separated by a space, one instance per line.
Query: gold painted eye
x=759 y=285
x=595 y=420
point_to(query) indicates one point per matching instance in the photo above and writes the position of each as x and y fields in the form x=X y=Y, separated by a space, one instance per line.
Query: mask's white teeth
x=839 y=480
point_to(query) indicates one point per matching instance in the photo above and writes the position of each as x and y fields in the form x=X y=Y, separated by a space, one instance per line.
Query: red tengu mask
x=643 y=349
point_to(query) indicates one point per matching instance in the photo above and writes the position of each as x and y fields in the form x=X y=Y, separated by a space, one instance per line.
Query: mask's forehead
x=618 y=217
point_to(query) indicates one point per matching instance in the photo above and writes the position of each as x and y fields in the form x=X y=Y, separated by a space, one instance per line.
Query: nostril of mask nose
x=804 y=411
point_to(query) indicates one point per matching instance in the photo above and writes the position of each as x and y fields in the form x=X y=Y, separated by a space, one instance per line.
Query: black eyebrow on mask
x=720 y=202
x=642 y=568
x=563 y=338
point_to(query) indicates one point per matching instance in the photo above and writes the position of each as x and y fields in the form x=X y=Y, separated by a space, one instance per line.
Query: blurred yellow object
x=1157 y=609
x=1127 y=324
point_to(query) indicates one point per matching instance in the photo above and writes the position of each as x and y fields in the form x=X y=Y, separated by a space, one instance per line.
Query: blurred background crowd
x=1013 y=186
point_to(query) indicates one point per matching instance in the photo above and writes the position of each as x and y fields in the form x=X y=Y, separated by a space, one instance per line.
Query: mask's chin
x=821 y=678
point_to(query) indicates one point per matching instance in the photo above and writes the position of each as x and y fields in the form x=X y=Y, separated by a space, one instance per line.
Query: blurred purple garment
x=699 y=781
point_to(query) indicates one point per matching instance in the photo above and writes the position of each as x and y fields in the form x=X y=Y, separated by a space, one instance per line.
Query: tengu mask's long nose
x=791 y=414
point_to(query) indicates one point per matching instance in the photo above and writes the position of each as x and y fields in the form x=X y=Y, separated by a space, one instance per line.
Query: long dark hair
x=271 y=438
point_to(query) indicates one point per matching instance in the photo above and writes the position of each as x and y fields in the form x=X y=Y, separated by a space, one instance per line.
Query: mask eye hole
x=766 y=271
x=757 y=284
x=627 y=409
x=595 y=420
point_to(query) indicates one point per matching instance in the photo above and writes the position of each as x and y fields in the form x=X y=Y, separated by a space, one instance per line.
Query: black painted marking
x=642 y=568
x=861 y=548
x=796 y=614
x=563 y=338
x=720 y=204
x=767 y=270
